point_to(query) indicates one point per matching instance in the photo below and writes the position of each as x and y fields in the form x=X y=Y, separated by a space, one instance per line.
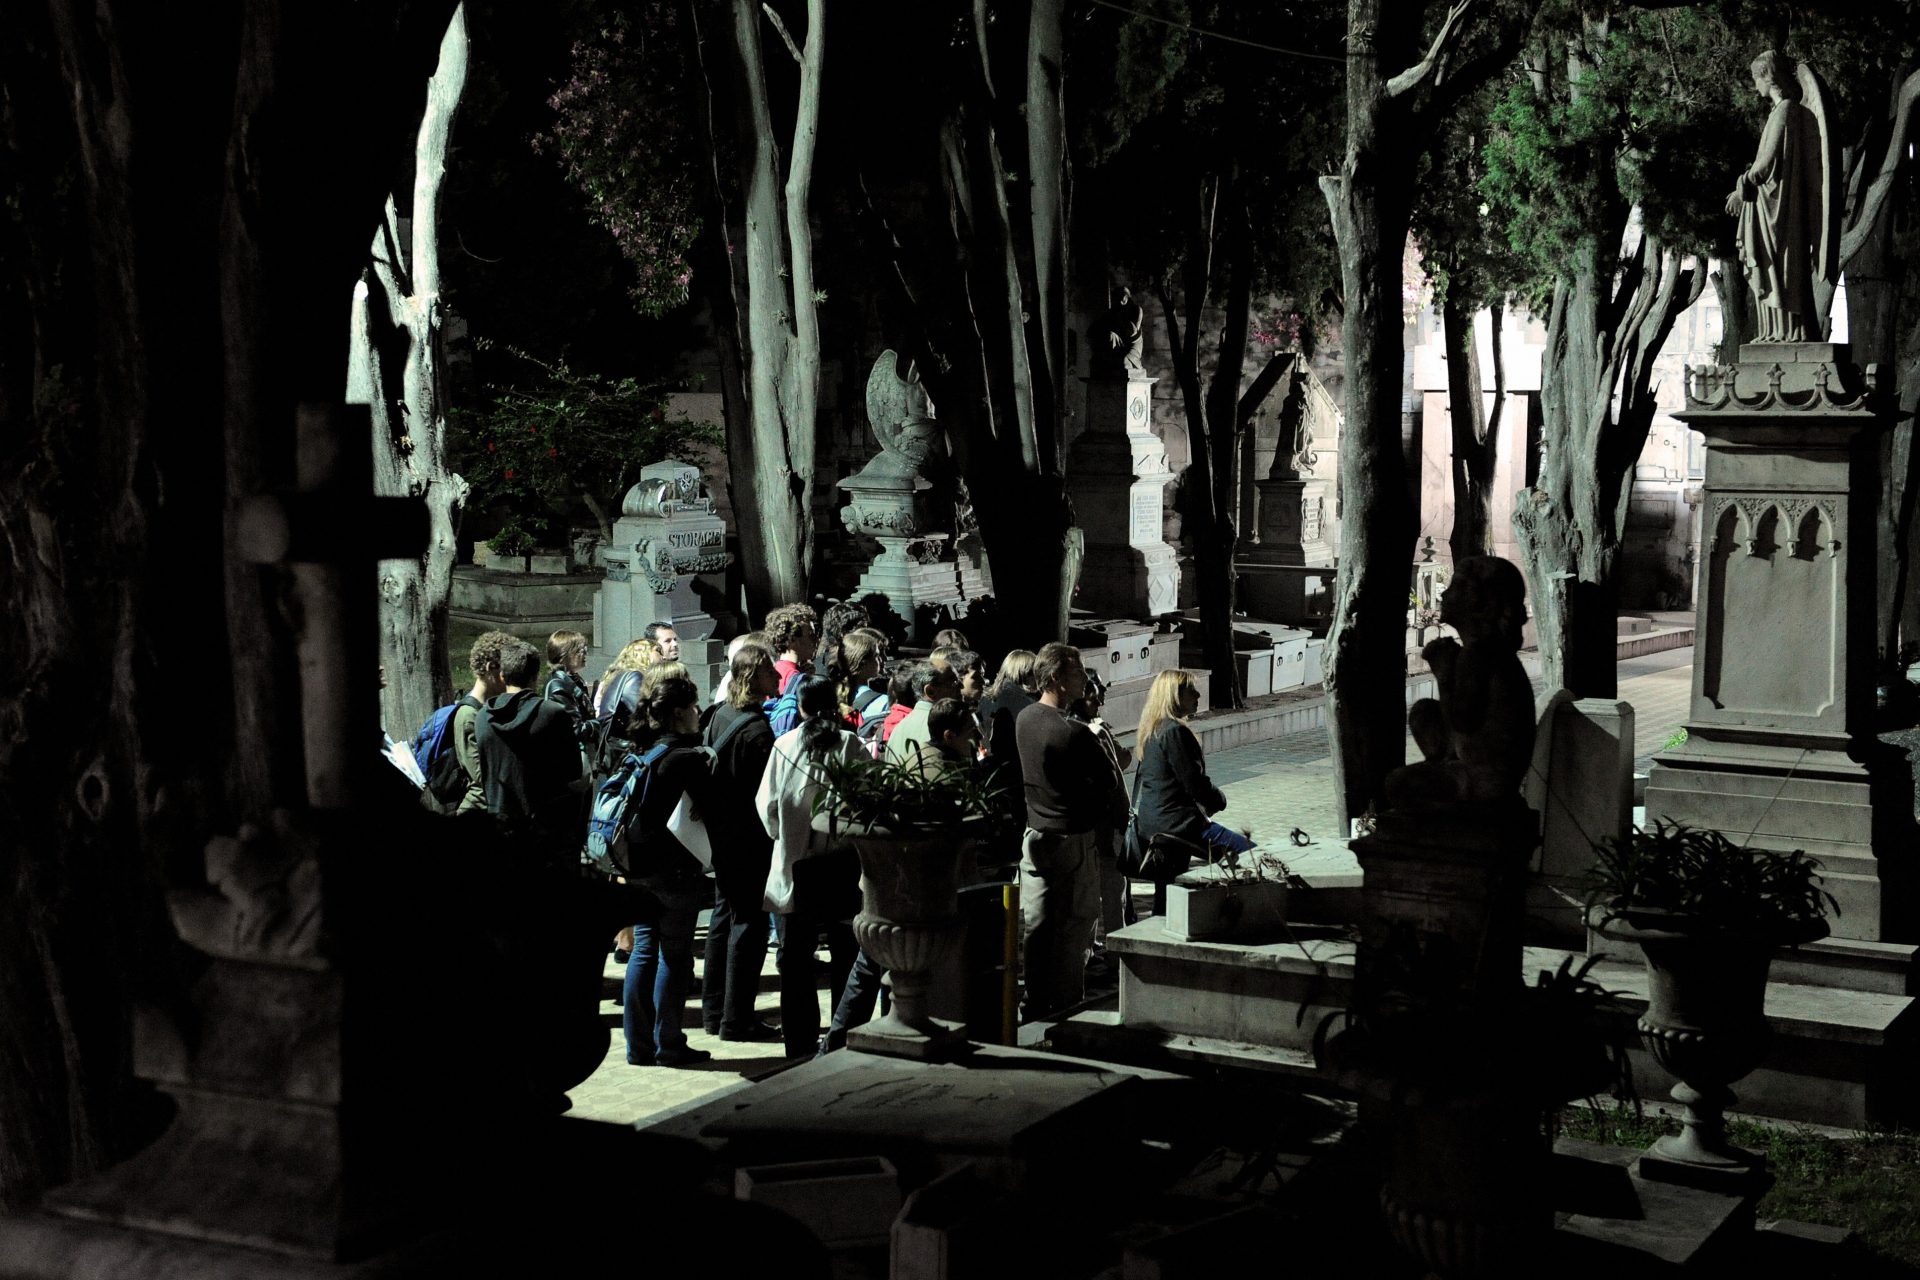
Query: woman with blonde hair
x=1173 y=796
x=637 y=656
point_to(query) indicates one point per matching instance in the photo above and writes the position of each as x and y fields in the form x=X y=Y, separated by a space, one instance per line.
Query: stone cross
x=331 y=530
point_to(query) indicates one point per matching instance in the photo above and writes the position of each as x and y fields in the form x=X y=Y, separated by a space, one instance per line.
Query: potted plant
x=1708 y=915
x=914 y=832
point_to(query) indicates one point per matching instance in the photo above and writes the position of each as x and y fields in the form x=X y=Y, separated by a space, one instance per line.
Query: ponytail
x=819 y=701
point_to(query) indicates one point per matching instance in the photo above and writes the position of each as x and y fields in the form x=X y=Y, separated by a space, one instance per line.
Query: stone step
x=1838 y=1056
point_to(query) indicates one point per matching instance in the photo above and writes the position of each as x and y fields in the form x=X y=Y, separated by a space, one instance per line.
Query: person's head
x=566 y=651
x=900 y=684
x=860 y=655
x=1058 y=674
x=1092 y=699
x=519 y=664
x=933 y=682
x=751 y=678
x=819 y=699
x=1172 y=696
x=665 y=638
x=484 y=659
x=671 y=704
x=972 y=671
x=951 y=729
x=792 y=632
x=663 y=671
x=835 y=625
x=949 y=638
x=637 y=656
x=741 y=641
x=1016 y=672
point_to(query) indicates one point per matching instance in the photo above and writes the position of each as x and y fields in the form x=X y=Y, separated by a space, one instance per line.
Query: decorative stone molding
x=1716 y=388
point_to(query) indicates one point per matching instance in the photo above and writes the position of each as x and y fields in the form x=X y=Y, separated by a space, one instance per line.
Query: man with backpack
x=793 y=635
x=530 y=761
x=447 y=747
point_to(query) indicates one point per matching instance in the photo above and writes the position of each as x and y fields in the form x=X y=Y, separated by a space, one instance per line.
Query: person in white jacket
x=812 y=887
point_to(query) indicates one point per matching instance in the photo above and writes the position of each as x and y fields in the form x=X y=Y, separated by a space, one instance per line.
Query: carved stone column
x=1118 y=475
x=1780 y=751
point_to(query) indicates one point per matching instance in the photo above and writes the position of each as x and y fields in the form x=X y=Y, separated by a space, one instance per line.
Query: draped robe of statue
x=1779 y=223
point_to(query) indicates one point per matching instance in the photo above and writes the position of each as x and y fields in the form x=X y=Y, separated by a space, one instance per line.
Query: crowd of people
x=714 y=792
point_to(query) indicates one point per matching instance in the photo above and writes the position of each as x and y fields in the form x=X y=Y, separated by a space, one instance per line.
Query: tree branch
x=1443 y=44
x=786 y=38
x=1868 y=210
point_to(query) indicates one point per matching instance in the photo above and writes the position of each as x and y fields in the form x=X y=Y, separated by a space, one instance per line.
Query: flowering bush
x=619 y=134
x=553 y=437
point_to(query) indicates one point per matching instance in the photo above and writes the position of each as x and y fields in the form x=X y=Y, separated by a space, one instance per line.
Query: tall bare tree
x=394 y=366
x=774 y=341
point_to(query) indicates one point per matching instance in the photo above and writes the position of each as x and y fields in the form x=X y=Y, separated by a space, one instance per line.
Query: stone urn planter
x=1708 y=915
x=1706 y=1024
x=909 y=923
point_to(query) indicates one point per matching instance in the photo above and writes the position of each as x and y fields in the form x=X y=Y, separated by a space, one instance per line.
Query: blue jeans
x=1225 y=838
x=659 y=972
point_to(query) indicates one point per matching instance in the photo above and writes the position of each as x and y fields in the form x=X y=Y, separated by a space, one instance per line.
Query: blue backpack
x=784 y=711
x=616 y=803
x=433 y=751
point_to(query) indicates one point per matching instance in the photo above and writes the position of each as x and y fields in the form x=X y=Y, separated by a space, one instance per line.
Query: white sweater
x=785 y=803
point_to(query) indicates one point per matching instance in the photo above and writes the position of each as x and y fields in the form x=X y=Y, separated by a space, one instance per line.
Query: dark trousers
x=799 y=993
x=856 y=1004
x=736 y=950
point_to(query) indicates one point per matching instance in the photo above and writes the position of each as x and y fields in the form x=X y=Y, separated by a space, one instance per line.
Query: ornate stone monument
x=1117 y=474
x=666 y=559
x=891 y=500
x=1780 y=721
x=1286 y=568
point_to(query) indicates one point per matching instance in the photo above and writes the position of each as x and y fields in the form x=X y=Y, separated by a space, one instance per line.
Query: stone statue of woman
x=1786 y=203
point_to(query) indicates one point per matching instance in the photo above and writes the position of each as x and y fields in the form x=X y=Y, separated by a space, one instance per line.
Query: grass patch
x=1868 y=1183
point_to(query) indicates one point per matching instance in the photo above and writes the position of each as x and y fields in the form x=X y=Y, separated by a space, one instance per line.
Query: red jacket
x=895 y=714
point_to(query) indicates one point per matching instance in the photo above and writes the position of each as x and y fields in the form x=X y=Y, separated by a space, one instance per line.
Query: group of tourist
x=728 y=780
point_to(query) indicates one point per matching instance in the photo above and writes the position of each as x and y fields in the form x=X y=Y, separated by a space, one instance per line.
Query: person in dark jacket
x=1176 y=797
x=1072 y=790
x=677 y=888
x=741 y=740
x=530 y=762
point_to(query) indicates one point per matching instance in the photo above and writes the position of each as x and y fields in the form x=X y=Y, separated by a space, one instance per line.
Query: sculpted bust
x=1787 y=204
x=1477 y=736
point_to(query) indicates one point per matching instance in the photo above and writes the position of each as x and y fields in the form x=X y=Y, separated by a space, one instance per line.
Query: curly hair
x=785 y=622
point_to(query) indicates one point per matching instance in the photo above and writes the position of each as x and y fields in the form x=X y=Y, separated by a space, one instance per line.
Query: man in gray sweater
x=1071 y=792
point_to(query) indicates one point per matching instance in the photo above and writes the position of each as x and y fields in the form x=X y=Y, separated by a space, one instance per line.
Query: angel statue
x=1788 y=204
x=902 y=414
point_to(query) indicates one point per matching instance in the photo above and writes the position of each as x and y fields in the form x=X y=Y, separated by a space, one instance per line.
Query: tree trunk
x=1605 y=328
x=1736 y=311
x=1369 y=201
x=394 y=368
x=1476 y=434
x=782 y=339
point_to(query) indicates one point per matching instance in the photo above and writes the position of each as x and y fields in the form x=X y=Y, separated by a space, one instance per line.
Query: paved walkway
x=1271 y=786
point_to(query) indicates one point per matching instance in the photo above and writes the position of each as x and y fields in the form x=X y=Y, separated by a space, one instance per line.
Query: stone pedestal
x=665 y=562
x=1117 y=475
x=1287 y=574
x=1780 y=752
